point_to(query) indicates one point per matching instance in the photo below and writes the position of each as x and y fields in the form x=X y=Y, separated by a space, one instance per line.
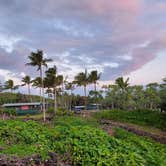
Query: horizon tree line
x=118 y=95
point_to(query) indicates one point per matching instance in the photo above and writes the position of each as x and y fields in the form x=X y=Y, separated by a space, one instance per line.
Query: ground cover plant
x=80 y=141
x=140 y=117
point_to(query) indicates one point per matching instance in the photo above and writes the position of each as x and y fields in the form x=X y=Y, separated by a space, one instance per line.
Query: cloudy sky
x=116 y=37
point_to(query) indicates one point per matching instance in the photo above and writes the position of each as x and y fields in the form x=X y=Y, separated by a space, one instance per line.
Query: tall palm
x=27 y=81
x=69 y=86
x=123 y=89
x=10 y=85
x=94 y=77
x=37 y=59
x=53 y=81
x=82 y=79
x=123 y=84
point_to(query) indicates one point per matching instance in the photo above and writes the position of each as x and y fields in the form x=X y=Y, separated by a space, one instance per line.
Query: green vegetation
x=140 y=117
x=143 y=146
x=8 y=97
x=8 y=111
x=80 y=141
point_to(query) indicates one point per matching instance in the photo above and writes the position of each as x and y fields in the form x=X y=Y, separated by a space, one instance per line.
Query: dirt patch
x=34 y=160
x=108 y=129
x=161 y=137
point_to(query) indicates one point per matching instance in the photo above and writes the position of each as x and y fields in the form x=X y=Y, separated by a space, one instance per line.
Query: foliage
x=141 y=117
x=29 y=134
x=143 y=146
x=80 y=141
x=8 y=111
x=9 y=84
x=7 y=97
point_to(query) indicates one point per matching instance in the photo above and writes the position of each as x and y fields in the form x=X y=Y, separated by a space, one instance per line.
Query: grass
x=80 y=141
x=140 y=117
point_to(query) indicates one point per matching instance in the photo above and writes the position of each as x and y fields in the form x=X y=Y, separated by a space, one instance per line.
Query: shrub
x=8 y=111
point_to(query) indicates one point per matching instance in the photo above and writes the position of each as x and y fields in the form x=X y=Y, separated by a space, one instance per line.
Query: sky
x=117 y=38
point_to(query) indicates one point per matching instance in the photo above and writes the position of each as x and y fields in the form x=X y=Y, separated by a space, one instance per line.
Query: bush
x=50 y=110
x=141 y=117
x=8 y=111
x=63 y=111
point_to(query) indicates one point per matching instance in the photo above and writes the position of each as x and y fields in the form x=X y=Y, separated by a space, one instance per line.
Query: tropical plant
x=94 y=77
x=162 y=94
x=27 y=81
x=69 y=86
x=152 y=95
x=1 y=87
x=82 y=79
x=123 y=91
x=37 y=59
x=53 y=81
x=9 y=84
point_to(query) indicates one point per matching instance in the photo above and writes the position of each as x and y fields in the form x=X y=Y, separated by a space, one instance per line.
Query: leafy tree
x=1 y=87
x=162 y=94
x=152 y=95
x=95 y=96
x=136 y=97
x=112 y=95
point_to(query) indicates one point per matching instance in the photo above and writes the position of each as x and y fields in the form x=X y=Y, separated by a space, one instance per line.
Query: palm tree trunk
x=43 y=103
x=55 y=101
x=29 y=92
x=85 y=94
x=70 y=100
x=40 y=86
x=95 y=86
x=95 y=92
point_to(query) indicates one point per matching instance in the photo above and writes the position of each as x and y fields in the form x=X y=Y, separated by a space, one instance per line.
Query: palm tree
x=37 y=82
x=53 y=81
x=36 y=59
x=27 y=81
x=122 y=84
x=10 y=85
x=94 y=77
x=69 y=86
x=82 y=79
x=123 y=88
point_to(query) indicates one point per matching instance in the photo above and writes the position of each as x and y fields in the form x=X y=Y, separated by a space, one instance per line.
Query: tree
x=94 y=77
x=112 y=95
x=37 y=59
x=162 y=93
x=69 y=86
x=1 y=87
x=10 y=85
x=37 y=83
x=27 y=81
x=123 y=89
x=122 y=84
x=52 y=80
x=82 y=79
x=152 y=95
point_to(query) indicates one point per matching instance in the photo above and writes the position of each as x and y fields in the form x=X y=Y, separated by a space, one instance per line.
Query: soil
x=35 y=160
x=108 y=127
